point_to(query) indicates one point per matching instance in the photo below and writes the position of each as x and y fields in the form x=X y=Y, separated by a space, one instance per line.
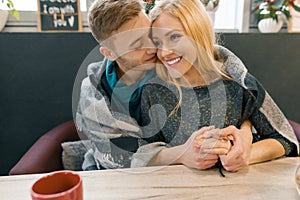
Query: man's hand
x=239 y=155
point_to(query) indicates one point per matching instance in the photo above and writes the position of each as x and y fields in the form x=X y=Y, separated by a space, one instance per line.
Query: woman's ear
x=107 y=53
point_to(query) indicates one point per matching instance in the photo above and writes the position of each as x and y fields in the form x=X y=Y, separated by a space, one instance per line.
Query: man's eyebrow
x=136 y=41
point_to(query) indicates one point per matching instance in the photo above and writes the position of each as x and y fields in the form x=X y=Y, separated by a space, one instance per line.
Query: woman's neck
x=193 y=78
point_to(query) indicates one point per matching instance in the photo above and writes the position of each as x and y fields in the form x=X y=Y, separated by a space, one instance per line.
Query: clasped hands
x=205 y=146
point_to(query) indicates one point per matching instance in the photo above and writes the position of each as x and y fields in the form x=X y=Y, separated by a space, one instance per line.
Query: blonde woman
x=191 y=71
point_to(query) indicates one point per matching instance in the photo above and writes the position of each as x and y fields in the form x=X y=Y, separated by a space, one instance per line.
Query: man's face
x=133 y=48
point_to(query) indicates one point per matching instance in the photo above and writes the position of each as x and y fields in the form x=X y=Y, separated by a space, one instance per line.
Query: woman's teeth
x=173 y=61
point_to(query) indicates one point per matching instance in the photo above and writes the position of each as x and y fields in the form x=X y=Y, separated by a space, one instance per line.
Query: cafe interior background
x=231 y=16
x=38 y=68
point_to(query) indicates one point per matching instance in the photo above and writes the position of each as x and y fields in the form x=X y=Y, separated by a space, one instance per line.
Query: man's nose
x=151 y=48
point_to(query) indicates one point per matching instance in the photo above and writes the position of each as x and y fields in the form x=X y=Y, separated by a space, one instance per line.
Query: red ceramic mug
x=60 y=185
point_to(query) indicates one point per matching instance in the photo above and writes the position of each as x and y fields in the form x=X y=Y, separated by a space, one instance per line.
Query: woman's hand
x=211 y=142
x=202 y=149
x=191 y=154
x=194 y=153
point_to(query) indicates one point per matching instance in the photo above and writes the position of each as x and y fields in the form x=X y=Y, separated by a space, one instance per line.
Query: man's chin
x=145 y=67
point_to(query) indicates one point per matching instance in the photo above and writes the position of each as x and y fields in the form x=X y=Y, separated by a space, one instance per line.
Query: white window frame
x=240 y=12
x=28 y=20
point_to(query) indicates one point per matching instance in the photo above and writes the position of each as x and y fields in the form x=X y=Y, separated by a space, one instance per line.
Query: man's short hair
x=106 y=16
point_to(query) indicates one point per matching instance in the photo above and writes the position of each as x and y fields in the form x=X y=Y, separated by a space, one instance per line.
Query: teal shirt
x=123 y=98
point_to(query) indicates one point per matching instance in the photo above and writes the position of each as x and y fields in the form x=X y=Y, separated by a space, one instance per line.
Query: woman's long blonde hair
x=199 y=28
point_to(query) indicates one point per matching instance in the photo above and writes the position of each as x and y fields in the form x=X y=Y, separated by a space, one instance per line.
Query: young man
x=110 y=95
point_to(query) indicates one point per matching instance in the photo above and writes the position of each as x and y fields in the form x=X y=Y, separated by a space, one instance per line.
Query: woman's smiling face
x=175 y=49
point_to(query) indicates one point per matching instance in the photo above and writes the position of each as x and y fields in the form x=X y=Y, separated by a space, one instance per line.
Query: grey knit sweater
x=221 y=104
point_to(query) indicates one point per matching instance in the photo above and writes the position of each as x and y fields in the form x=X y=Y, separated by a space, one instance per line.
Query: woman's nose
x=165 y=52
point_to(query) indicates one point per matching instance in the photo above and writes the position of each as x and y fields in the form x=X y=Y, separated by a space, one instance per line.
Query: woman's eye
x=174 y=37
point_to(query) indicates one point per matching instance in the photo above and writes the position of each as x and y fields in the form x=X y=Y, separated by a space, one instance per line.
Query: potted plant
x=271 y=14
x=4 y=13
x=149 y=5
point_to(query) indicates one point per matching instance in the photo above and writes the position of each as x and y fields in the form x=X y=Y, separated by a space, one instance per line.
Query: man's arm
x=243 y=152
x=239 y=155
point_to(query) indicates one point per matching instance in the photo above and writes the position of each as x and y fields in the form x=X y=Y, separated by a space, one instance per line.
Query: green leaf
x=296 y=8
x=11 y=7
x=287 y=14
x=15 y=13
x=11 y=3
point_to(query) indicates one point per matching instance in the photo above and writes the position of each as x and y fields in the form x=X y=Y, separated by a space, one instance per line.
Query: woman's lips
x=173 y=61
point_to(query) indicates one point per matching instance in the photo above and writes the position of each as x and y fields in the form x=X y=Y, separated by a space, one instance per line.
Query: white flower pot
x=269 y=25
x=3 y=18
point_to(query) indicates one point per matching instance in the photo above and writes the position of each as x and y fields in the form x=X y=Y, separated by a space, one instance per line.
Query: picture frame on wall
x=59 y=16
x=294 y=21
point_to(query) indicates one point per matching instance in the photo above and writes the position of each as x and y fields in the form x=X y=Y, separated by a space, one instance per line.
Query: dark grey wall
x=274 y=59
x=37 y=73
